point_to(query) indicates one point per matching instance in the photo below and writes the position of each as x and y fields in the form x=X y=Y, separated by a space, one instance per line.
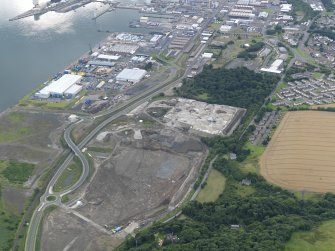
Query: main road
x=50 y=197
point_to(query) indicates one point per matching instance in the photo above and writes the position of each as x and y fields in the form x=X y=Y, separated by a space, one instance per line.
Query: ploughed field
x=300 y=155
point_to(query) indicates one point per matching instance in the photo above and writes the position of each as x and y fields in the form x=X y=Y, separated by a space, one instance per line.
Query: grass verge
x=69 y=176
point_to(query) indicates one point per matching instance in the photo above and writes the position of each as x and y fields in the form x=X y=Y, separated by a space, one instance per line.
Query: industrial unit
x=66 y=86
x=131 y=75
x=275 y=67
x=105 y=57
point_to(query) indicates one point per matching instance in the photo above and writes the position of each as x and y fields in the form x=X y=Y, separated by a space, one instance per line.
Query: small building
x=200 y=20
x=131 y=75
x=144 y=19
x=233 y=156
x=246 y=182
x=225 y=28
x=263 y=15
x=285 y=7
x=207 y=55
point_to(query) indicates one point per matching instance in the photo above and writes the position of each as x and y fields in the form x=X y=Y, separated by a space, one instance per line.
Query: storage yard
x=199 y=117
x=300 y=154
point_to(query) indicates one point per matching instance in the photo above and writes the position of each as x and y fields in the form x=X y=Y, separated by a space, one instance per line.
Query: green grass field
x=308 y=196
x=268 y=10
x=203 y=97
x=233 y=50
x=243 y=190
x=215 y=26
x=280 y=87
x=316 y=75
x=321 y=238
x=251 y=164
x=16 y=172
x=214 y=187
x=99 y=149
x=8 y=226
x=11 y=127
x=305 y=55
x=69 y=176
x=51 y=105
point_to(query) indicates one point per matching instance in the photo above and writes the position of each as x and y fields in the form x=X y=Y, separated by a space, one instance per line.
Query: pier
x=61 y=7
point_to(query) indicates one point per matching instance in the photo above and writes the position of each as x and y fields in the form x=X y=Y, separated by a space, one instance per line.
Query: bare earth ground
x=32 y=137
x=65 y=231
x=143 y=169
x=300 y=154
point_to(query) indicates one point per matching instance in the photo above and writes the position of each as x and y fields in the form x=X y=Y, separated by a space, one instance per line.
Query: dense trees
x=250 y=52
x=255 y=217
x=301 y=6
x=324 y=32
x=266 y=218
x=236 y=87
x=329 y=5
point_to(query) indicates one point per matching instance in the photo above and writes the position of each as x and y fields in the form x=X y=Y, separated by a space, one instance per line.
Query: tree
x=148 y=66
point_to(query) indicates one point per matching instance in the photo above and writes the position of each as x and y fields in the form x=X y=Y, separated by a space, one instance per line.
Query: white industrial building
x=73 y=91
x=108 y=57
x=64 y=86
x=225 y=28
x=144 y=19
x=131 y=75
x=275 y=67
x=207 y=55
x=285 y=7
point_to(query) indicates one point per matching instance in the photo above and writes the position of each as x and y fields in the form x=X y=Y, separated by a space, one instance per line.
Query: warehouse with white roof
x=131 y=75
x=64 y=86
x=108 y=57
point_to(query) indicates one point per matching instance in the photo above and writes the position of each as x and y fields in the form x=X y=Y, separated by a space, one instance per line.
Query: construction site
x=143 y=169
x=197 y=117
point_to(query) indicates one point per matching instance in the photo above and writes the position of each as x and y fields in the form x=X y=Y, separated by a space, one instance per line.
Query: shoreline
x=7 y=106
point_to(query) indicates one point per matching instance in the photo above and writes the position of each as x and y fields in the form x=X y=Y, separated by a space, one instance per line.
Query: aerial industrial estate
x=173 y=135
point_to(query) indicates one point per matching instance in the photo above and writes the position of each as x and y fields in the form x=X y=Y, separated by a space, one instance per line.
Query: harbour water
x=32 y=51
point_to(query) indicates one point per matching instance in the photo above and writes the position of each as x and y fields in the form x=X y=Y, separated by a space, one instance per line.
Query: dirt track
x=300 y=155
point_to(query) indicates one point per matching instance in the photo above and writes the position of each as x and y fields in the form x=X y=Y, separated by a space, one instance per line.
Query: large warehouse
x=66 y=85
x=131 y=75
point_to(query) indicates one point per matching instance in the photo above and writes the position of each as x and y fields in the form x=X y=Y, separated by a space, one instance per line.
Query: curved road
x=32 y=234
x=175 y=77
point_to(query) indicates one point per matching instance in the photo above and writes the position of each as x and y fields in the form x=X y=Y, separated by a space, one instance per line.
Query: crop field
x=300 y=154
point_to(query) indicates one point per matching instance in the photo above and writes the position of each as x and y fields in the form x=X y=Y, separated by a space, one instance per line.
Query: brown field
x=300 y=155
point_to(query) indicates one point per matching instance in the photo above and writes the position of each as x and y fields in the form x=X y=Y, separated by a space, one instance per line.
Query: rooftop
x=134 y=74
